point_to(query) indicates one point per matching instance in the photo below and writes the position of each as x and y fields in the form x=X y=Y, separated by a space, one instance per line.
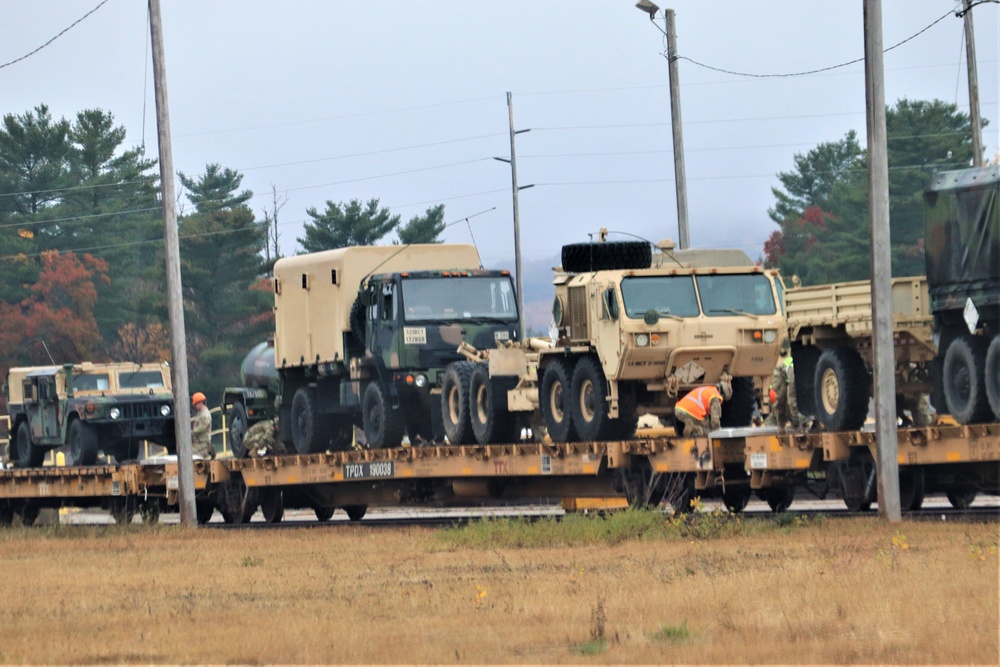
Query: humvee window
x=96 y=382
x=140 y=379
x=667 y=295
x=437 y=299
x=740 y=294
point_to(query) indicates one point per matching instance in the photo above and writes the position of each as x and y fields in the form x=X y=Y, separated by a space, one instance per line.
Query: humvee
x=90 y=408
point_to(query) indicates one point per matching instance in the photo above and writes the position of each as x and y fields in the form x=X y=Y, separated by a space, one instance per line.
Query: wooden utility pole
x=974 y=118
x=517 y=215
x=884 y=386
x=182 y=401
x=680 y=177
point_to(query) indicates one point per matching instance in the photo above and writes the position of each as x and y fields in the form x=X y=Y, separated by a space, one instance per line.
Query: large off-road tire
x=82 y=444
x=584 y=257
x=842 y=388
x=455 y=399
x=383 y=424
x=993 y=376
x=238 y=426
x=804 y=360
x=555 y=401
x=492 y=422
x=738 y=410
x=965 y=380
x=28 y=455
x=589 y=393
x=307 y=431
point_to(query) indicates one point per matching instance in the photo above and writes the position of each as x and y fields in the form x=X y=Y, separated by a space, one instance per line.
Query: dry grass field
x=632 y=589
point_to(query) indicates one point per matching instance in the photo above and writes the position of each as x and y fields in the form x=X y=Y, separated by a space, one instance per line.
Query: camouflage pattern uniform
x=785 y=409
x=201 y=433
x=261 y=440
x=919 y=407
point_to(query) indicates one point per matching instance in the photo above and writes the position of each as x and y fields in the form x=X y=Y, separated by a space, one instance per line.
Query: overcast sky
x=406 y=101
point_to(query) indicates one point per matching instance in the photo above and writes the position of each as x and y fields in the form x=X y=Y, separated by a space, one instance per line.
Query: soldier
x=201 y=428
x=700 y=411
x=784 y=403
x=262 y=439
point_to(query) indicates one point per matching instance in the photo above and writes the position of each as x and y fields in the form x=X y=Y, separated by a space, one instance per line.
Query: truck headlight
x=165 y=410
x=115 y=413
x=420 y=380
x=770 y=336
x=641 y=340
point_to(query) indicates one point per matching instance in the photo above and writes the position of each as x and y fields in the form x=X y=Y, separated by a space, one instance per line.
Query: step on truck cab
x=90 y=408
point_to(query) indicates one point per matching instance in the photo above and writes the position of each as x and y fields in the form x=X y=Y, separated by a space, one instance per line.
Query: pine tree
x=423 y=229
x=350 y=224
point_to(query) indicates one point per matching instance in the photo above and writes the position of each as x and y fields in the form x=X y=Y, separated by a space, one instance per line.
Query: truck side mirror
x=611 y=303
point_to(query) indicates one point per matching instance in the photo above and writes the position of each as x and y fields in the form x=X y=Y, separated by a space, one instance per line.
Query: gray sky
x=406 y=101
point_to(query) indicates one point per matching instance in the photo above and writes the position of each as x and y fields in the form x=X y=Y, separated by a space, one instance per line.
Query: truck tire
x=554 y=401
x=804 y=360
x=28 y=455
x=842 y=388
x=455 y=395
x=738 y=410
x=383 y=424
x=492 y=422
x=82 y=444
x=237 y=429
x=993 y=375
x=585 y=257
x=965 y=380
x=588 y=396
x=307 y=433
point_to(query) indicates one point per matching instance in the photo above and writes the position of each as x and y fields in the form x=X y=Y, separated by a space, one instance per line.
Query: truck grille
x=142 y=411
x=577 y=316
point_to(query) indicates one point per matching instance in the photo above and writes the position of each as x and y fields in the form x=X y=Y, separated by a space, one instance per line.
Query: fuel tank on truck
x=258 y=369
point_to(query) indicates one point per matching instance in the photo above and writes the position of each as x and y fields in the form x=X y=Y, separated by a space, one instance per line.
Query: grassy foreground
x=637 y=588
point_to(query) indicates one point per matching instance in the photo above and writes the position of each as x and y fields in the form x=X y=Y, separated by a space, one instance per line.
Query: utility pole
x=884 y=388
x=517 y=215
x=175 y=303
x=970 y=56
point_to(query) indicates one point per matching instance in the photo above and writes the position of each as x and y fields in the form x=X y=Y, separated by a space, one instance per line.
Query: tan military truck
x=90 y=408
x=830 y=328
x=633 y=332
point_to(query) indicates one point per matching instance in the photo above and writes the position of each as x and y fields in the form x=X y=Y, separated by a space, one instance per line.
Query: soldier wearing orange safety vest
x=700 y=412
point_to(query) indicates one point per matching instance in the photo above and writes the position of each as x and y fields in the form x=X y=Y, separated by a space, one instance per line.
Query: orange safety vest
x=698 y=401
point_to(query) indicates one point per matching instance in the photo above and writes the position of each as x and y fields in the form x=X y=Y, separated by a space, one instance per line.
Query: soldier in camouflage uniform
x=261 y=439
x=201 y=428
x=784 y=401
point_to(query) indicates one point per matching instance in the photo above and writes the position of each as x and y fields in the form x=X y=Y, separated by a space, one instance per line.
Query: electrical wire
x=64 y=31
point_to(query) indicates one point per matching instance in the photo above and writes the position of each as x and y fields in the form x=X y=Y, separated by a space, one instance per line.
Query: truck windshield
x=140 y=379
x=667 y=295
x=91 y=382
x=468 y=298
x=741 y=294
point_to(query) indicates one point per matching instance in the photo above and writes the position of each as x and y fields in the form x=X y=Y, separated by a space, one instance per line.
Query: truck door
x=383 y=323
x=48 y=403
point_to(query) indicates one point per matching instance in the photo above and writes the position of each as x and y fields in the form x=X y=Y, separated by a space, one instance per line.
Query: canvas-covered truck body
x=363 y=335
x=962 y=245
x=830 y=329
x=633 y=333
x=90 y=408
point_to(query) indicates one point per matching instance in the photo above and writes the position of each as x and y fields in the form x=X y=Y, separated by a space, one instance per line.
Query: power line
x=64 y=31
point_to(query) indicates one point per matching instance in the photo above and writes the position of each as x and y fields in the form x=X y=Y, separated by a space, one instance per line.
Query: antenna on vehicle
x=42 y=341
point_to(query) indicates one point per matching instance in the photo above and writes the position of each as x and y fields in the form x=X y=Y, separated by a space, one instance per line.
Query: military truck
x=362 y=338
x=632 y=332
x=946 y=326
x=90 y=408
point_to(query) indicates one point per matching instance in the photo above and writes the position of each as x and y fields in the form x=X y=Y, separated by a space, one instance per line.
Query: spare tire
x=584 y=257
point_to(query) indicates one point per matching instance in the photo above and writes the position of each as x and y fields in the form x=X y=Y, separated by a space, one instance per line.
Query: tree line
x=82 y=266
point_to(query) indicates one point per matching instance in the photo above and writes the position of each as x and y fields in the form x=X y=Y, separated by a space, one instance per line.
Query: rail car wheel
x=82 y=444
x=323 y=513
x=6 y=516
x=735 y=497
x=455 y=406
x=961 y=498
x=383 y=424
x=965 y=380
x=555 y=401
x=356 y=512
x=150 y=512
x=738 y=410
x=307 y=432
x=28 y=455
x=589 y=392
x=779 y=498
x=492 y=422
x=236 y=503
x=584 y=257
x=842 y=388
x=29 y=513
x=993 y=375
x=912 y=488
x=204 y=509
x=123 y=509
x=272 y=505
x=857 y=481
x=238 y=425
